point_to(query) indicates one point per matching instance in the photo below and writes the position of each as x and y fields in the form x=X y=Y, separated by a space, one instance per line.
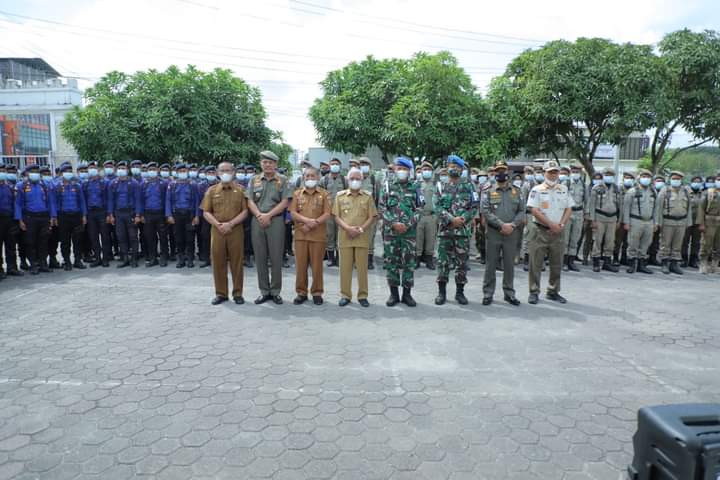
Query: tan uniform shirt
x=268 y=193
x=312 y=204
x=354 y=209
x=224 y=201
x=709 y=210
x=552 y=201
x=673 y=207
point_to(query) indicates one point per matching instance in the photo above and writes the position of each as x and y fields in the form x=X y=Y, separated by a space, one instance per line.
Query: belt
x=123 y=210
x=638 y=217
x=36 y=214
x=675 y=217
x=577 y=209
x=153 y=212
x=605 y=214
x=181 y=212
x=97 y=209
x=71 y=214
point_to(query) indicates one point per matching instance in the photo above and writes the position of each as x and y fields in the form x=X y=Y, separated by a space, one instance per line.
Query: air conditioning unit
x=12 y=83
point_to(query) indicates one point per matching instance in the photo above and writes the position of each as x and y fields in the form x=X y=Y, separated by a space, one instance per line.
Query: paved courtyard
x=113 y=374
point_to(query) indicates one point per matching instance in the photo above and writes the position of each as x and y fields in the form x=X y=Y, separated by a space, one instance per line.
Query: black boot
x=54 y=263
x=633 y=265
x=693 y=262
x=643 y=267
x=133 y=260
x=334 y=258
x=442 y=293
x=371 y=262
x=526 y=262
x=407 y=298
x=96 y=262
x=163 y=261
x=609 y=266
x=418 y=261
x=571 y=264
x=67 y=266
x=684 y=263
x=124 y=262
x=596 y=264
x=460 y=294
x=180 y=262
x=566 y=263
x=190 y=262
x=666 y=266
x=79 y=264
x=394 y=297
x=674 y=268
x=430 y=262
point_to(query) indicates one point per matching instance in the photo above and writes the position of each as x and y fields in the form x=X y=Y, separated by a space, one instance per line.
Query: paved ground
x=113 y=374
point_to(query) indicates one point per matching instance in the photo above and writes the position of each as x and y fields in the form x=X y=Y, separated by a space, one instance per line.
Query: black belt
x=123 y=210
x=182 y=212
x=97 y=209
x=71 y=214
x=638 y=217
x=607 y=214
x=154 y=212
x=576 y=209
x=36 y=214
x=673 y=217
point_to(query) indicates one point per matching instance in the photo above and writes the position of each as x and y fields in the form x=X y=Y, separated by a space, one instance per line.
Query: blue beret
x=405 y=162
x=456 y=160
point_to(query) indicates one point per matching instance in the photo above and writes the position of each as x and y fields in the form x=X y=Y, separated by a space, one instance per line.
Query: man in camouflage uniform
x=638 y=220
x=481 y=183
x=456 y=203
x=708 y=219
x=604 y=213
x=672 y=213
x=427 y=226
x=400 y=206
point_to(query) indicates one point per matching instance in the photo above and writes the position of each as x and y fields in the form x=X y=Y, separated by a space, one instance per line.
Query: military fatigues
x=604 y=209
x=709 y=217
x=401 y=202
x=455 y=200
x=310 y=246
x=333 y=186
x=639 y=214
x=428 y=223
x=501 y=205
x=269 y=242
x=573 y=230
x=691 y=240
x=672 y=213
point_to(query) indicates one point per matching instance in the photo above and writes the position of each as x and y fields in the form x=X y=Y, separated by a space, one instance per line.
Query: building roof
x=34 y=63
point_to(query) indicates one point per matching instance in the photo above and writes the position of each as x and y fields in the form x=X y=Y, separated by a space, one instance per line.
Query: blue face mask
x=240 y=177
x=596 y=181
x=539 y=177
x=122 y=173
x=11 y=177
x=183 y=175
x=696 y=185
x=210 y=177
x=34 y=177
x=93 y=172
x=47 y=178
x=645 y=181
x=3 y=176
x=152 y=173
x=675 y=183
x=135 y=171
x=67 y=176
x=709 y=184
x=164 y=173
x=109 y=170
x=427 y=174
x=628 y=182
x=335 y=168
x=193 y=174
x=608 y=179
x=202 y=176
x=659 y=185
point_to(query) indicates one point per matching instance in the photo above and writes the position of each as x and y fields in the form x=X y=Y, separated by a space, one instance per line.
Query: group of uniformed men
x=546 y=216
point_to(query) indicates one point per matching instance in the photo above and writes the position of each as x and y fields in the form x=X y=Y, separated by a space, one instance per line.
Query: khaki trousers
x=640 y=237
x=269 y=243
x=604 y=238
x=426 y=235
x=309 y=253
x=541 y=243
x=710 y=241
x=226 y=249
x=359 y=257
x=671 y=242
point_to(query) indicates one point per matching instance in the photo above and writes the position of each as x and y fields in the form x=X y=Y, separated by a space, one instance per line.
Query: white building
x=34 y=99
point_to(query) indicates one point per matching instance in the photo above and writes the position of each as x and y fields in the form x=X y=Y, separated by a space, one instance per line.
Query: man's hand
x=507 y=229
x=264 y=219
x=701 y=227
x=311 y=223
x=224 y=228
x=457 y=222
x=556 y=229
x=53 y=222
x=22 y=225
x=399 y=227
x=626 y=227
x=170 y=220
x=137 y=219
x=305 y=228
x=110 y=219
x=195 y=221
x=84 y=220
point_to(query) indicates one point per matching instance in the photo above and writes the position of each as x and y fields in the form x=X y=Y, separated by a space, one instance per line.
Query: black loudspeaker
x=677 y=442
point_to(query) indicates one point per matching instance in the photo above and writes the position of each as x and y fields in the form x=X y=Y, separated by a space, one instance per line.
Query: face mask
x=675 y=183
x=444 y=178
x=645 y=181
x=518 y=183
x=109 y=170
x=608 y=179
x=659 y=185
x=240 y=177
x=539 y=177
x=563 y=178
x=202 y=176
x=575 y=176
x=473 y=178
x=152 y=174
x=492 y=179
x=709 y=184
x=122 y=173
x=182 y=175
x=501 y=177
x=717 y=183
x=193 y=174
x=93 y=172
x=696 y=185
x=143 y=175
x=550 y=183
x=482 y=179
x=226 y=177
x=355 y=184
x=34 y=177
x=464 y=174
x=47 y=178
x=418 y=176
x=596 y=181
x=135 y=171
x=628 y=182
x=335 y=168
x=311 y=183
x=210 y=178
x=402 y=175
x=11 y=177
x=364 y=168
x=164 y=173
x=3 y=176
x=454 y=172
x=173 y=173
x=67 y=175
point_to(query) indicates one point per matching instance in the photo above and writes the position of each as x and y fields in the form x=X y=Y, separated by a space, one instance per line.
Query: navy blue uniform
x=35 y=206
x=71 y=210
x=124 y=204
x=96 y=200
x=181 y=203
x=7 y=226
x=204 y=229
x=153 y=199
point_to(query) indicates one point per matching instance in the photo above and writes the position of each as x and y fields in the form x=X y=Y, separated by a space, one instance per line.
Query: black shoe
x=204 y=264
x=684 y=263
x=666 y=267
x=124 y=262
x=95 y=263
x=180 y=263
x=674 y=268
x=693 y=263
x=24 y=265
x=67 y=266
x=79 y=265
x=430 y=263
x=609 y=266
x=190 y=263
x=394 y=297
x=262 y=299
x=35 y=270
x=239 y=300
x=363 y=302
x=571 y=264
x=533 y=298
x=556 y=297
x=286 y=262
x=371 y=262
x=512 y=300
x=642 y=267
x=54 y=264
x=218 y=300
x=277 y=299
x=317 y=300
x=151 y=263
x=526 y=262
x=163 y=261
x=300 y=299
x=173 y=257
x=133 y=262
x=333 y=259
x=596 y=264
x=487 y=301
x=105 y=263
x=407 y=298
x=460 y=295
x=633 y=265
x=566 y=263
x=15 y=273
x=343 y=302
x=442 y=294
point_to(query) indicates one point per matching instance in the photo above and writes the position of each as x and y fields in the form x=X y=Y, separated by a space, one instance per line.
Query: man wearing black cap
x=96 y=198
x=182 y=210
x=72 y=216
x=7 y=224
x=35 y=210
x=125 y=213
x=153 y=191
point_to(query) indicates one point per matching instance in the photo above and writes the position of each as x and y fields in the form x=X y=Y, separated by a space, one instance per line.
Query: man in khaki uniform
x=573 y=232
x=225 y=209
x=708 y=219
x=673 y=215
x=604 y=211
x=638 y=220
x=268 y=195
x=354 y=211
x=370 y=184
x=428 y=224
x=310 y=209
x=333 y=182
x=550 y=206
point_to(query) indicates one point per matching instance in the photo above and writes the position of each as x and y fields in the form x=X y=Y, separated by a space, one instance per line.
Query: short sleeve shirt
x=224 y=201
x=267 y=193
x=552 y=201
x=354 y=210
x=312 y=204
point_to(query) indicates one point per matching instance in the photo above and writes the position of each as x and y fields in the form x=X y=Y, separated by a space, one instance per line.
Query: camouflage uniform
x=401 y=202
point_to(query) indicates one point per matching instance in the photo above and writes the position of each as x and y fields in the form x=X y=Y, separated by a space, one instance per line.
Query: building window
x=25 y=134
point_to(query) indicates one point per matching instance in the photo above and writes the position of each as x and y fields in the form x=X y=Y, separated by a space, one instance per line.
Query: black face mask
x=454 y=172
x=501 y=177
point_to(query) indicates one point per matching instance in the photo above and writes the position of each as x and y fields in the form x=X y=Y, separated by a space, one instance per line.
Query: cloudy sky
x=286 y=46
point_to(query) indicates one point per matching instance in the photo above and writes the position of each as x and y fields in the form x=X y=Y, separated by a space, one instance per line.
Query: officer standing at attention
x=354 y=211
x=34 y=210
x=125 y=212
x=72 y=216
x=427 y=226
x=268 y=197
x=708 y=219
x=551 y=207
x=96 y=198
x=400 y=206
x=333 y=182
x=7 y=225
x=182 y=211
x=153 y=194
x=503 y=208
x=370 y=184
x=638 y=220
x=691 y=241
x=673 y=214
x=310 y=209
x=225 y=208
x=621 y=235
x=573 y=231
x=456 y=204
x=604 y=214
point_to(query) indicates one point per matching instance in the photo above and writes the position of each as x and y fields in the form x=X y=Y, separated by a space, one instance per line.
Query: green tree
x=702 y=161
x=151 y=115
x=687 y=94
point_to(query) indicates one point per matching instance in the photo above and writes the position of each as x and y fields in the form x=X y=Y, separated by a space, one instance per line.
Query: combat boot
x=704 y=267
x=133 y=260
x=684 y=262
x=79 y=264
x=643 y=267
x=394 y=297
x=674 y=268
x=460 y=294
x=442 y=293
x=571 y=264
x=693 y=262
x=596 y=264
x=371 y=262
x=609 y=266
x=407 y=298
x=526 y=262
x=124 y=262
x=430 y=262
x=163 y=261
x=180 y=262
x=54 y=263
x=566 y=263
x=633 y=265
x=666 y=266
x=418 y=261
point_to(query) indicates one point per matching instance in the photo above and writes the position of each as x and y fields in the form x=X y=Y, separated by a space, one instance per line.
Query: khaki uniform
x=528 y=185
x=371 y=185
x=225 y=202
x=269 y=242
x=672 y=213
x=605 y=210
x=428 y=224
x=573 y=230
x=310 y=246
x=639 y=214
x=709 y=216
x=354 y=209
x=333 y=186
x=552 y=201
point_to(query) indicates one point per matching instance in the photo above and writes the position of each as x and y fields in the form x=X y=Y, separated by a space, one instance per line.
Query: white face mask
x=482 y=179
x=334 y=168
x=645 y=181
x=93 y=172
x=364 y=168
x=402 y=175
x=518 y=183
x=550 y=183
x=355 y=184
x=539 y=177
x=563 y=178
x=575 y=176
x=444 y=178
x=226 y=177
x=210 y=177
x=311 y=183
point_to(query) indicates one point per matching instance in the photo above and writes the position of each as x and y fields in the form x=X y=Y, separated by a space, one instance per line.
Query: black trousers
x=70 y=229
x=248 y=237
x=204 y=240
x=53 y=241
x=36 y=237
x=127 y=233
x=7 y=240
x=691 y=243
x=155 y=230
x=99 y=231
x=184 y=234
